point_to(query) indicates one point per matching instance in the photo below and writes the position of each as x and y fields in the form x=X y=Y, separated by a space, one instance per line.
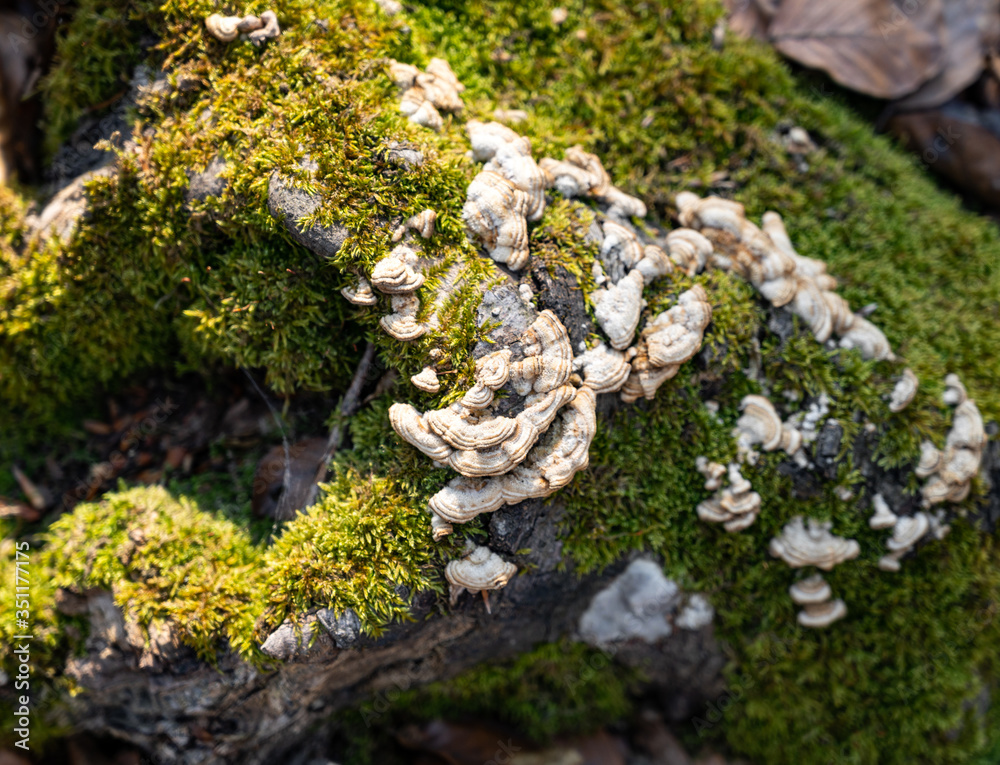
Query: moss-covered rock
x=171 y=268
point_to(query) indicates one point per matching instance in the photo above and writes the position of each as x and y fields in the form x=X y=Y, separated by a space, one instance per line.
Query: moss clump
x=365 y=546
x=164 y=560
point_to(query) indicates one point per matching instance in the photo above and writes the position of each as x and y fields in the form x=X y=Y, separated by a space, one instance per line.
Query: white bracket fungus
x=950 y=472
x=815 y=595
x=767 y=259
x=883 y=518
x=736 y=507
x=426 y=380
x=689 y=249
x=954 y=392
x=268 y=30
x=904 y=391
x=402 y=323
x=394 y=273
x=799 y=545
x=618 y=309
x=423 y=223
x=360 y=292
x=224 y=28
x=495 y=212
x=666 y=342
x=480 y=570
x=426 y=92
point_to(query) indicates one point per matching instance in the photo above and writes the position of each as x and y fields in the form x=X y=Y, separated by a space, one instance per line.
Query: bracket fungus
x=551 y=465
x=621 y=250
x=689 y=249
x=514 y=162
x=268 y=30
x=906 y=532
x=883 y=518
x=712 y=471
x=604 y=369
x=402 y=323
x=480 y=570
x=495 y=212
x=224 y=28
x=904 y=391
x=423 y=223
x=768 y=261
x=487 y=137
x=950 y=472
x=360 y=292
x=426 y=380
x=582 y=174
x=394 y=273
x=759 y=423
x=426 y=92
x=548 y=356
x=736 y=507
x=799 y=545
x=815 y=595
x=618 y=309
x=954 y=391
x=666 y=342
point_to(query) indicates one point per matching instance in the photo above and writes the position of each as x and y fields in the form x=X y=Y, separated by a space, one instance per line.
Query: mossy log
x=244 y=186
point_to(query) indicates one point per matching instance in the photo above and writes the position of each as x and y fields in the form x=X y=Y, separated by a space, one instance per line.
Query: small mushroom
x=402 y=323
x=480 y=570
x=954 y=392
x=883 y=518
x=799 y=545
x=822 y=614
x=224 y=28
x=904 y=391
x=488 y=137
x=249 y=24
x=516 y=165
x=493 y=370
x=423 y=223
x=426 y=380
x=360 y=292
x=810 y=591
x=759 y=423
x=394 y=275
x=712 y=471
x=268 y=31
x=908 y=531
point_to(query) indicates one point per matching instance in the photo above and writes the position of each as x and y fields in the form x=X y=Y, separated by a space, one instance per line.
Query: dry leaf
x=970 y=26
x=954 y=144
x=871 y=46
x=750 y=18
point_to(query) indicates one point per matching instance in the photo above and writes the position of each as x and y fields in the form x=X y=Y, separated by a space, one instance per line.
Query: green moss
x=365 y=546
x=555 y=689
x=150 y=276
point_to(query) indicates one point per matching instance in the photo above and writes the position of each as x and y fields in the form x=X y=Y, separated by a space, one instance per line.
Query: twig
x=349 y=404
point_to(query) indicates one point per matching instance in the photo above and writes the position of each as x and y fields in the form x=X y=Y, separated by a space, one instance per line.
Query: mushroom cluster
x=394 y=275
x=258 y=29
x=666 y=342
x=509 y=192
x=949 y=473
x=760 y=424
x=799 y=545
x=815 y=595
x=582 y=174
x=735 y=506
x=766 y=258
x=427 y=92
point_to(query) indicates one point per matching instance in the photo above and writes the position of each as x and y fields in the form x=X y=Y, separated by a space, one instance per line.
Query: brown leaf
x=750 y=18
x=271 y=498
x=870 y=46
x=10 y=508
x=956 y=146
x=969 y=27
